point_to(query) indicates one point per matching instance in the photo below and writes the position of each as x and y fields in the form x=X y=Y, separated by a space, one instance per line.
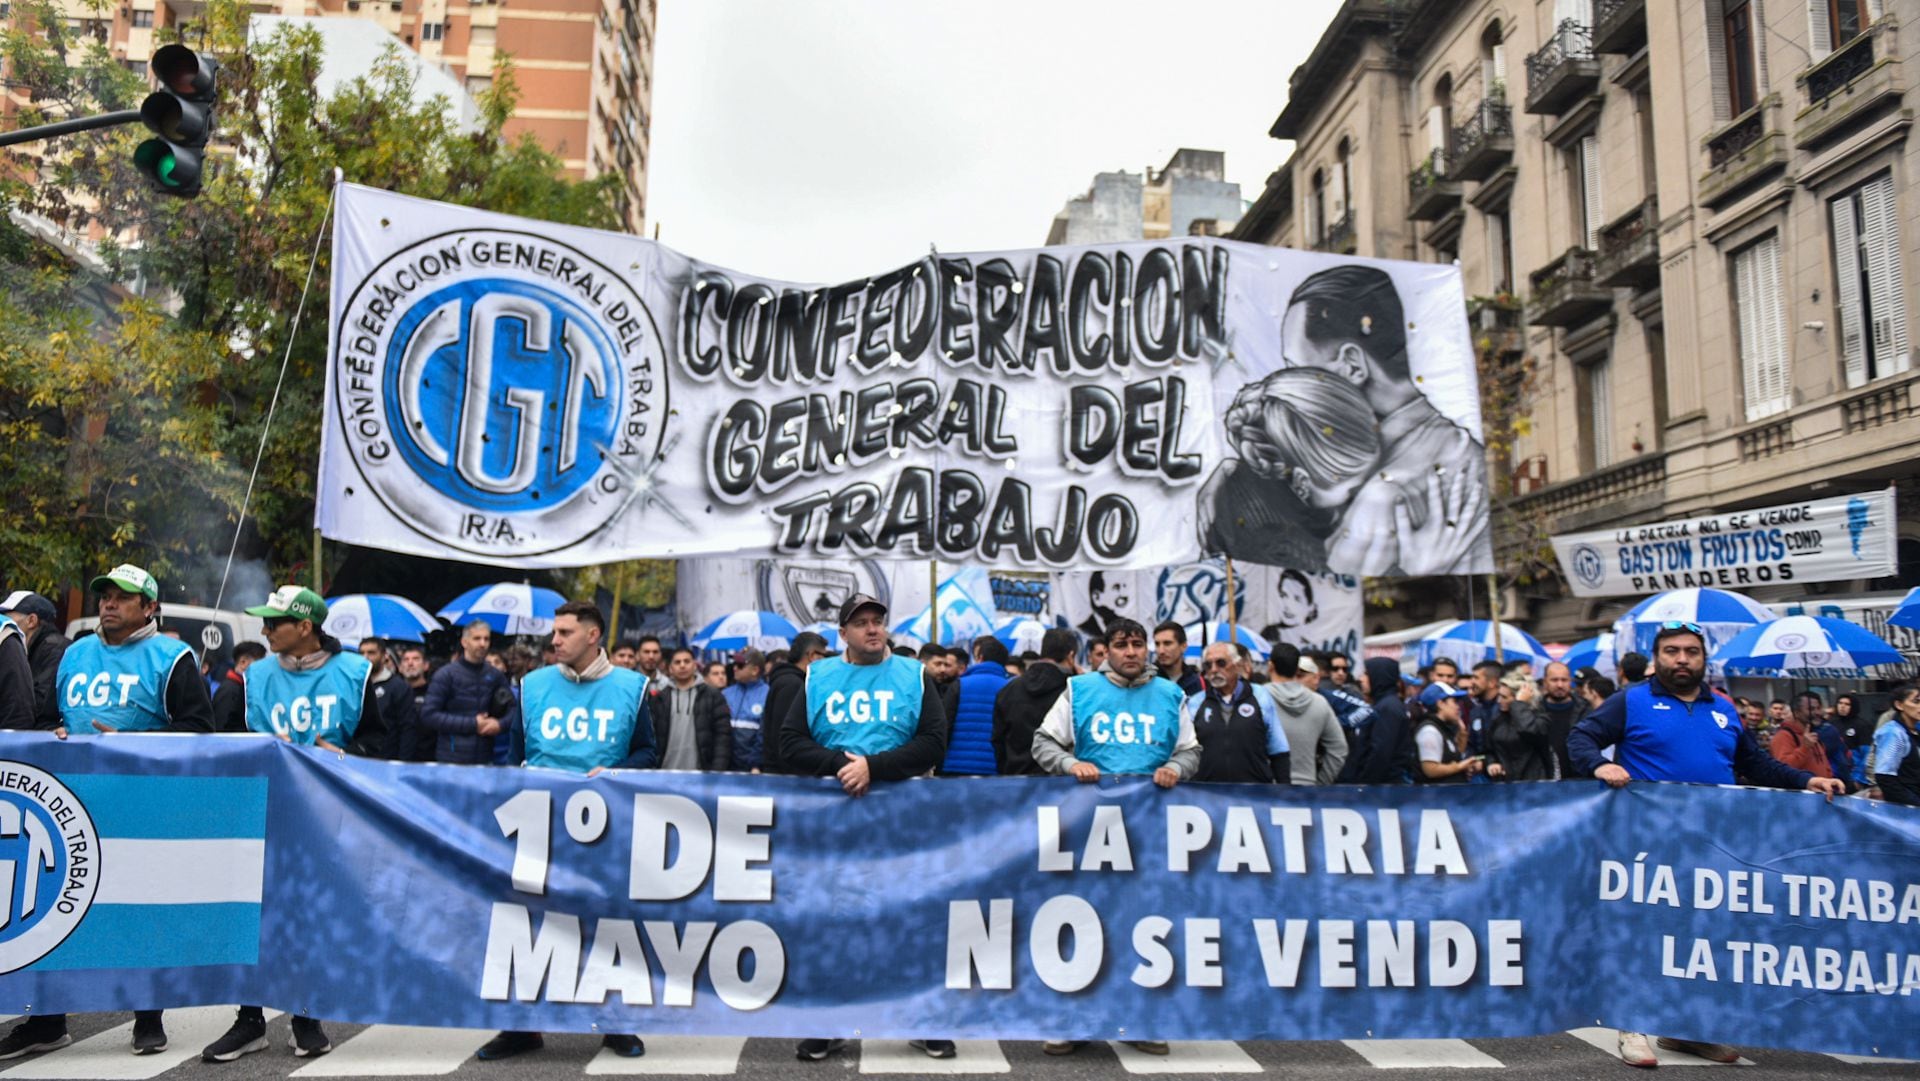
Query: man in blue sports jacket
x=1673 y=728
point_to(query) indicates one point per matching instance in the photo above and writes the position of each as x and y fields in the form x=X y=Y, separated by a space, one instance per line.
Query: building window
x=1500 y=240
x=1493 y=64
x=1597 y=378
x=138 y=67
x=1737 y=43
x=1317 y=207
x=1585 y=163
x=1870 y=289
x=1440 y=123
x=1764 y=364
x=1342 y=179
x=142 y=19
x=433 y=31
x=1836 y=22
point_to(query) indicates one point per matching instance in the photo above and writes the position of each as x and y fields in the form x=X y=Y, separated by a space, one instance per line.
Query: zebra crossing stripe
x=1423 y=1054
x=693 y=1055
x=898 y=1056
x=1608 y=1040
x=398 y=1051
x=1187 y=1056
x=1867 y=1060
x=108 y=1056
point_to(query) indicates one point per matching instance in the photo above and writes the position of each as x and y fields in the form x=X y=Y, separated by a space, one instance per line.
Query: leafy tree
x=129 y=419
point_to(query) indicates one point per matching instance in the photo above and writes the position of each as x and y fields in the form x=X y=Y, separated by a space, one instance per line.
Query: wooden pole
x=933 y=601
x=316 y=562
x=1233 y=617
x=1493 y=609
x=619 y=586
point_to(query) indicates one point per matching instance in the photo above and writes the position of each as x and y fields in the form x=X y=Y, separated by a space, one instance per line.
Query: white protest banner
x=1818 y=540
x=1314 y=611
x=803 y=590
x=532 y=394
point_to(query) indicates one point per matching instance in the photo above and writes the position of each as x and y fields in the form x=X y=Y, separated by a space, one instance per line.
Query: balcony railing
x=1630 y=248
x=1565 y=293
x=1642 y=479
x=1749 y=148
x=1562 y=70
x=1496 y=326
x=1619 y=26
x=1840 y=69
x=1340 y=237
x=1849 y=86
x=1430 y=191
x=1734 y=139
x=1484 y=142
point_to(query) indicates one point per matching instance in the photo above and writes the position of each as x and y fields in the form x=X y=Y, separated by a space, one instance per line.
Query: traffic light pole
x=68 y=127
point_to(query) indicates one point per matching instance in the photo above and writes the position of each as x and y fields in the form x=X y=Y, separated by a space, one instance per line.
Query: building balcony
x=1630 y=249
x=1745 y=150
x=1340 y=238
x=1498 y=326
x=1484 y=143
x=1849 y=85
x=1430 y=194
x=1637 y=485
x=1619 y=26
x=1565 y=293
x=1562 y=71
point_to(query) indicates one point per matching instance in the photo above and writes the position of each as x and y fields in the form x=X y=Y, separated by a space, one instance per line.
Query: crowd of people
x=874 y=712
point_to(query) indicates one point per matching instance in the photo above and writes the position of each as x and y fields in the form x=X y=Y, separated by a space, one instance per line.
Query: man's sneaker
x=1712 y=1052
x=934 y=1048
x=248 y=1034
x=35 y=1034
x=1149 y=1047
x=624 y=1045
x=1062 y=1047
x=509 y=1044
x=309 y=1039
x=149 y=1035
x=815 y=1050
x=1637 y=1050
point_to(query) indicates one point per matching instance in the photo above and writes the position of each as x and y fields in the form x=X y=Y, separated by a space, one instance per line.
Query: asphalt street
x=100 y=1052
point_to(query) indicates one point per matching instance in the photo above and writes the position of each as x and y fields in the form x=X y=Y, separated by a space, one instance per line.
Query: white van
x=210 y=631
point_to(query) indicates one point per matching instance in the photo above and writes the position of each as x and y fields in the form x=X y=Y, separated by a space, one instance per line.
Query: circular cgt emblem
x=501 y=392
x=49 y=864
x=1588 y=566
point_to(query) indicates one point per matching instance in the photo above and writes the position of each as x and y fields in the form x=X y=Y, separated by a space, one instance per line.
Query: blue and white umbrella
x=507 y=607
x=1720 y=613
x=1469 y=642
x=1806 y=645
x=354 y=616
x=1021 y=635
x=1595 y=653
x=744 y=629
x=829 y=631
x=961 y=621
x=1201 y=635
x=1908 y=614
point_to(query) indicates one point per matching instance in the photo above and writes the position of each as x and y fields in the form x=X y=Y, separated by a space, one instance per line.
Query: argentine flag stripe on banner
x=182 y=865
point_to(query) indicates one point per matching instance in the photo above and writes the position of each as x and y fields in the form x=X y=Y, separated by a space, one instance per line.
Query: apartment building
x=584 y=67
x=1688 y=231
x=1190 y=194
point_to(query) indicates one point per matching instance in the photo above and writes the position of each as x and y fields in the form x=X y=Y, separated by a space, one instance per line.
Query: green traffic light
x=156 y=158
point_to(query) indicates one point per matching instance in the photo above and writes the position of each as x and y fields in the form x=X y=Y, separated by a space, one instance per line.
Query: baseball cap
x=27 y=603
x=1437 y=691
x=852 y=605
x=292 y=601
x=1307 y=667
x=130 y=578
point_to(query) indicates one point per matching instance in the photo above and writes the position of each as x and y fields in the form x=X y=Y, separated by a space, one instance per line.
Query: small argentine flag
x=117 y=871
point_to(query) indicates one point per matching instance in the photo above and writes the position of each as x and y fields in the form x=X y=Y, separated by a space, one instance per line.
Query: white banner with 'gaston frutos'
x=518 y=392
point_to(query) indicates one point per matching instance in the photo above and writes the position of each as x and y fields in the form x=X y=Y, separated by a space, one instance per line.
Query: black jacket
x=1017 y=712
x=1518 y=738
x=392 y=699
x=43 y=656
x=785 y=682
x=918 y=755
x=16 y=681
x=1389 y=756
x=230 y=701
x=418 y=744
x=712 y=725
x=459 y=693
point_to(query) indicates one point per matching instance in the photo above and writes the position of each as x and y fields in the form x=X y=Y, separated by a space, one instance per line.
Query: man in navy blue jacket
x=970 y=736
x=469 y=702
x=1673 y=728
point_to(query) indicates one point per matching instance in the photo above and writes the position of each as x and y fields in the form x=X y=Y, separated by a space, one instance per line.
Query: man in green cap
x=315 y=693
x=127 y=677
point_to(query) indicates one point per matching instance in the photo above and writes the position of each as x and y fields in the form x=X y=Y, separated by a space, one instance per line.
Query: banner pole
x=933 y=602
x=1493 y=609
x=619 y=585
x=316 y=561
x=1233 y=616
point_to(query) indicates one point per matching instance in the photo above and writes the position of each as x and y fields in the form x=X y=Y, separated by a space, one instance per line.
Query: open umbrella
x=507 y=607
x=746 y=628
x=1720 y=613
x=353 y=616
x=1908 y=614
x=1469 y=642
x=829 y=631
x=1806 y=645
x=1021 y=635
x=961 y=621
x=1200 y=635
x=1596 y=653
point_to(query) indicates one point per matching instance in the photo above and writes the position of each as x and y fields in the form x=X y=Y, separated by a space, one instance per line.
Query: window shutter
x=1886 y=286
x=1600 y=403
x=1763 y=352
x=1580 y=11
x=1436 y=132
x=1819 y=27
x=1774 y=330
x=1590 y=190
x=1500 y=60
x=1846 y=266
x=1337 y=192
x=1747 y=297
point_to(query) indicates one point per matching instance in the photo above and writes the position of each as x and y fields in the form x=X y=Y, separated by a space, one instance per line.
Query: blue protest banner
x=145 y=871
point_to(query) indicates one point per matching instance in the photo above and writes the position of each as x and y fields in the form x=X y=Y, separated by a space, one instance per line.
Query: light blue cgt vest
x=577 y=726
x=863 y=708
x=306 y=707
x=1125 y=730
x=123 y=686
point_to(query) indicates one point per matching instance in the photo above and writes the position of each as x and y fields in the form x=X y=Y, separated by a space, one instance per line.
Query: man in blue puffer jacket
x=970 y=737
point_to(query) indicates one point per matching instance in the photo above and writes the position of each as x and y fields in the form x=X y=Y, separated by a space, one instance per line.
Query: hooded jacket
x=970 y=731
x=1017 y=712
x=785 y=682
x=1314 y=738
x=1388 y=756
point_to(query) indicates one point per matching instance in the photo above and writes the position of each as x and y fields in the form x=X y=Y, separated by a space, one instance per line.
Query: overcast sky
x=831 y=139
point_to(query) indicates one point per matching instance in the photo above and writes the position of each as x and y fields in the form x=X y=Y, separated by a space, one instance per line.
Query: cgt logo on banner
x=49 y=864
x=554 y=396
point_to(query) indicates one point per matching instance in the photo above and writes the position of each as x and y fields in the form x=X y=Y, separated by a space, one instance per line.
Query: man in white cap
x=45 y=645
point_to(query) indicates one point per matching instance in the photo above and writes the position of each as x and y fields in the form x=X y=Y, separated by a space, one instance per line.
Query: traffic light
x=180 y=114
